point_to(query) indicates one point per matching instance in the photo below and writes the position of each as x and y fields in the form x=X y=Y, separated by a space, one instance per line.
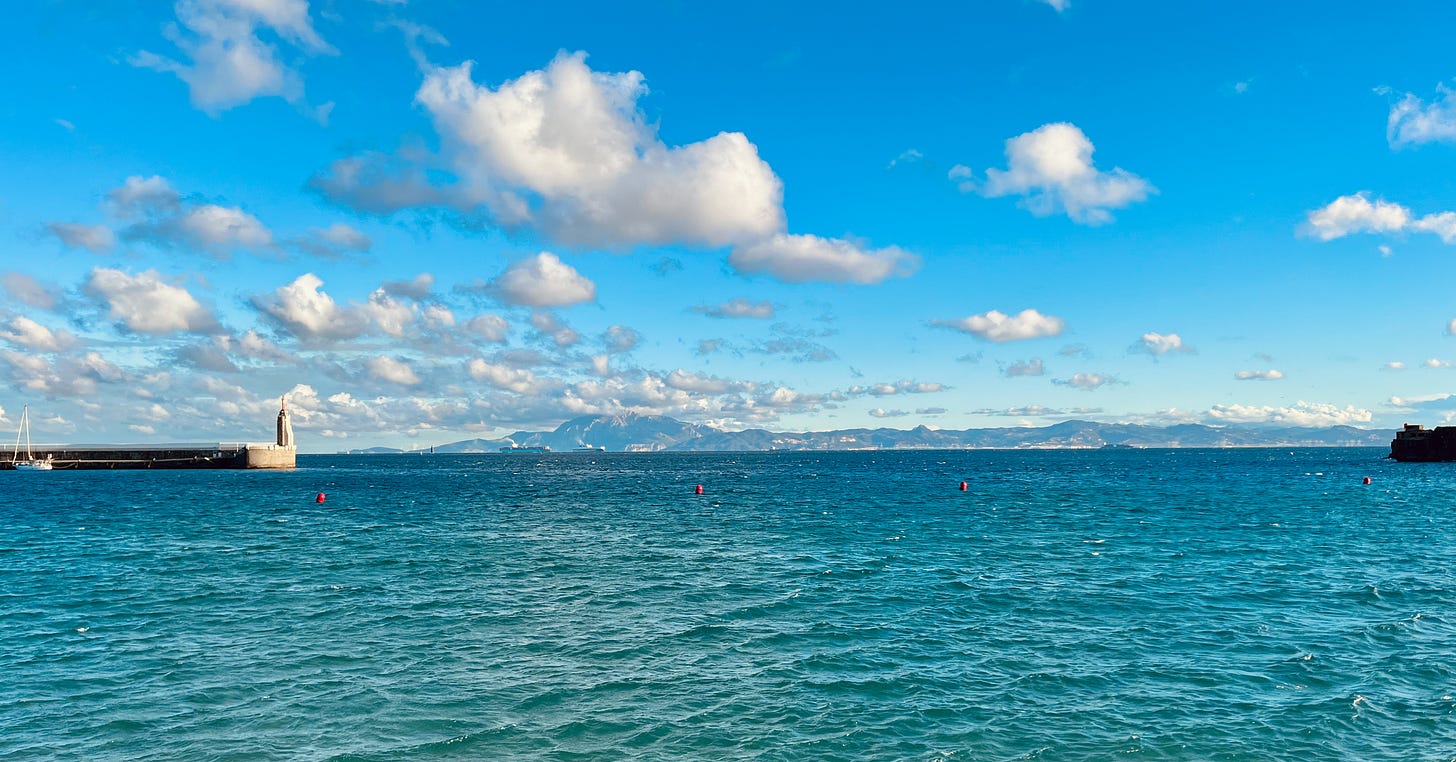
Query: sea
x=1250 y=604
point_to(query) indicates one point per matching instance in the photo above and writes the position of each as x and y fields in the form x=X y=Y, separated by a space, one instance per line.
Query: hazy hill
x=650 y=433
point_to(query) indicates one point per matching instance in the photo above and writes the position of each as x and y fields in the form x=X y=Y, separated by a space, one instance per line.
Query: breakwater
x=221 y=455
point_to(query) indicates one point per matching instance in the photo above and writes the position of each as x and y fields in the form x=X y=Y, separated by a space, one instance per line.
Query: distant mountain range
x=655 y=433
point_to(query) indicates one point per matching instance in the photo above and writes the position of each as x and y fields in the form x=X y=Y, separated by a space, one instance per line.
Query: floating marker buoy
x=320 y=498
x=964 y=486
x=1367 y=480
x=699 y=490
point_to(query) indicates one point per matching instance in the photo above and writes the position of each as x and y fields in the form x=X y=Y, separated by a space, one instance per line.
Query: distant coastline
x=634 y=433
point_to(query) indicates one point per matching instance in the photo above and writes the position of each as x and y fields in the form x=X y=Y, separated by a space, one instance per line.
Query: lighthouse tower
x=285 y=426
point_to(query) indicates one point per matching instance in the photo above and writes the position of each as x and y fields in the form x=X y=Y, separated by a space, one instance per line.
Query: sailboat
x=29 y=462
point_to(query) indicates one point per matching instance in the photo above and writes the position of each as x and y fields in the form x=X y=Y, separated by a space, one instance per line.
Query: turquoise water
x=1200 y=605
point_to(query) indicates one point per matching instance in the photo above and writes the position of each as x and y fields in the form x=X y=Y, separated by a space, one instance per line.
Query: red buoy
x=699 y=490
x=964 y=486
x=1367 y=480
x=320 y=498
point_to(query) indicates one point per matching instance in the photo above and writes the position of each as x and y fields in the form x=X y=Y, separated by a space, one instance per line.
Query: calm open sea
x=1159 y=604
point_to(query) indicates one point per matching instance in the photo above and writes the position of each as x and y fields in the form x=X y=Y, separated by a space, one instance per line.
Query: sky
x=429 y=220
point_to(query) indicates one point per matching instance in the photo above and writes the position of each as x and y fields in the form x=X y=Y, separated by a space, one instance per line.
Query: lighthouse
x=285 y=426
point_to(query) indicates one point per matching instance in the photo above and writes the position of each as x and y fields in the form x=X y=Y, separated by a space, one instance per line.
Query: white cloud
x=140 y=197
x=1412 y=121
x=620 y=338
x=24 y=332
x=1258 y=375
x=333 y=240
x=1086 y=381
x=999 y=327
x=1393 y=365
x=805 y=258
x=1032 y=367
x=305 y=311
x=388 y=314
x=97 y=239
x=159 y=216
x=1161 y=344
x=1356 y=214
x=218 y=229
x=392 y=370
x=488 y=327
x=516 y=380
x=1300 y=414
x=574 y=142
x=690 y=382
x=738 y=308
x=230 y=62
x=1442 y=224
x=543 y=281
x=880 y=412
x=1348 y=215
x=1436 y=363
x=144 y=303
x=30 y=291
x=1051 y=168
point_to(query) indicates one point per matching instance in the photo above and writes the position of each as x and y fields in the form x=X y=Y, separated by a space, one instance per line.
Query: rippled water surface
x=1253 y=604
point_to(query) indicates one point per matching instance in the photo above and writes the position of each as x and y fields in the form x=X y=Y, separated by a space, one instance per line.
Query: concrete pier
x=282 y=453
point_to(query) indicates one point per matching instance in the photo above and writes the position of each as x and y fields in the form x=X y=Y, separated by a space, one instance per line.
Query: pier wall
x=105 y=457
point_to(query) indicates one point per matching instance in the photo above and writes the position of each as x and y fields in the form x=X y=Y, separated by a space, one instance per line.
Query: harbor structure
x=1417 y=443
x=281 y=453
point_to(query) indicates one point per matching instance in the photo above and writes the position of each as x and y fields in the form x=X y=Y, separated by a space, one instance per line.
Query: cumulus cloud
x=542 y=281
x=1032 y=367
x=567 y=149
x=1259 y=375
x=24 y=332
x=880 y=412
x=700 y=384
x=493 y=328
x=997 y=326
x=29 y=291
x=392 y=370
x=1051 y=168
x=903 y=386
x=620 y=338
x=230 y=63
x=304 y=310
x=806 y=258
x=97 y=239
x=517 y=380
x=333 y=241
x=417 y=288
x=1413 y=121
x=1086 y=381
x=63 y=376
x=1393 y=365
x=1157 y=344
x=145 y=303
x=554 y=329
x=1436 y=363
x=1300 y=414
x=738 y=308
x=154 y=213
x=1355 y=213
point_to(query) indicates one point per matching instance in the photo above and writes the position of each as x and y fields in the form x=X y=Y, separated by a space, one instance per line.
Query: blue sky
x=426 y=221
